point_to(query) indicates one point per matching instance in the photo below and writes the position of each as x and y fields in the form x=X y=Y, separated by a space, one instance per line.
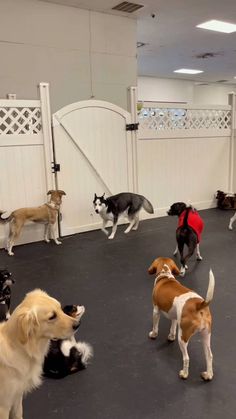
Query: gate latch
x=132 y=127
x=56 y=167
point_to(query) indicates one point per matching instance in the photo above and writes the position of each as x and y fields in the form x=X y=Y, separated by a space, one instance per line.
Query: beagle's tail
x=210 y=291
x=7 y=219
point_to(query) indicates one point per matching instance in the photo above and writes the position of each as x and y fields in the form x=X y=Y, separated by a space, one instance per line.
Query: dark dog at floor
x=6 y=282
x=225 y=200
x=46 y=214
x=190 y=227
x=66 y=356
x=125 y=203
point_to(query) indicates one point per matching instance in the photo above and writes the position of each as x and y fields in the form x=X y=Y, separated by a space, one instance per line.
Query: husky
x=125 y=203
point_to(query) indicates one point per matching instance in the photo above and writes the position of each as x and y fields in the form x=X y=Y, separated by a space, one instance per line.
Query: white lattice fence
x=161 y=120
x=17 y=120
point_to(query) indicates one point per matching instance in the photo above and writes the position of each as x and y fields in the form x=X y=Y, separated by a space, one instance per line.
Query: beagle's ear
x=27 y=325
x=153 y=268
x=49 y=192
x=61 y=192
x=174 y=269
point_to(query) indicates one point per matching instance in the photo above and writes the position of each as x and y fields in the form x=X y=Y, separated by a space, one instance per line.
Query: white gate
x=94 y=151
x=25 y=158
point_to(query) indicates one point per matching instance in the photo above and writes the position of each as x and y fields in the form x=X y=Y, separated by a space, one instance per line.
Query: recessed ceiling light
x=234 y=77
x=188 y=71
x=218 y=26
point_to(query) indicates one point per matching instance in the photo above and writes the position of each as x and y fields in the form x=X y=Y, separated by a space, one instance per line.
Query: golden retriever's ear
x=27 y=324
x=174 y=269
x=153 y=268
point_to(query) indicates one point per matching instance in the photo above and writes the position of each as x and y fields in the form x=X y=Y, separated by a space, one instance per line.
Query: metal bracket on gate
x=132 y=127
x=56 y=167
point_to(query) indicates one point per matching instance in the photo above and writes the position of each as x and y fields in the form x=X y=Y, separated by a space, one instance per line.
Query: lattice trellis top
x=16 y=120
x=183 y=119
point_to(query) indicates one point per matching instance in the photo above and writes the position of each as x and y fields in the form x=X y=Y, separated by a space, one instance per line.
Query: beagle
x=186 y=309
x=46 y=214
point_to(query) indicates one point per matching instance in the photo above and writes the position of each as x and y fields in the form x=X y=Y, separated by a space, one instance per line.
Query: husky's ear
x=27 y=325
x=103 y=194
x=95 y=196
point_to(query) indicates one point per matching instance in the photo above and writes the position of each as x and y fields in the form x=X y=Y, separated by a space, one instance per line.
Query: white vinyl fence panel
x=25 y=159
x=183 y=153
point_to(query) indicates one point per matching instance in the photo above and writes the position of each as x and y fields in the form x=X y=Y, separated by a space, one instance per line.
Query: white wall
x=173 y=90
x=80 y=53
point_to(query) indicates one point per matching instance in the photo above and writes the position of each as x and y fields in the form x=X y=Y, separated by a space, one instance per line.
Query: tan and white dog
x=185 y=308
x=45 y=214
x=24 y=342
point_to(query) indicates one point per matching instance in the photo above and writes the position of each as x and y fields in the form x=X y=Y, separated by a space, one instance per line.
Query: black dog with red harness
x=190 y=227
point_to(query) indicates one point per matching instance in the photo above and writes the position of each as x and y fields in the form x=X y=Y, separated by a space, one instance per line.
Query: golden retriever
x=24 y=342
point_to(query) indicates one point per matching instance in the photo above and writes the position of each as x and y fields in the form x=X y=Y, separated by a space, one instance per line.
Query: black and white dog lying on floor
x=67 y=356
x=125 y=203
x=6 y=282
x=189 y=229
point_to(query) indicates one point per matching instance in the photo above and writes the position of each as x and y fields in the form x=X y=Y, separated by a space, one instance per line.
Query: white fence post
x=232 y=102
x=132 y=104
x=47 y=133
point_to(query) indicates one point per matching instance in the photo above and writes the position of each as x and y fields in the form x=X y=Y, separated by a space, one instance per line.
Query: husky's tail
x=147 y=206
x=210 y=292
x=5 y=220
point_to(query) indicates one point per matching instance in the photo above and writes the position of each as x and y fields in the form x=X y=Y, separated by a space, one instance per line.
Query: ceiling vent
x=206 y=55
x=141 y=44
x=127 y=7
x=221 y=81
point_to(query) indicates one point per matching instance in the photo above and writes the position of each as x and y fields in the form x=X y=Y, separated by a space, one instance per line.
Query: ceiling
x=172 y=41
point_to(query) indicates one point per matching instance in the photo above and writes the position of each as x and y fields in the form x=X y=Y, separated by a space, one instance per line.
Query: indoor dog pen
x=179 y=152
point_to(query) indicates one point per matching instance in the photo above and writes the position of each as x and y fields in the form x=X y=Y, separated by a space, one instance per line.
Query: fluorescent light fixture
x=188 y=71
x=218 y=26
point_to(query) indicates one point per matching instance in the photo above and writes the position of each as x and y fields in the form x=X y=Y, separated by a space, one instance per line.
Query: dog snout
x=96 y=210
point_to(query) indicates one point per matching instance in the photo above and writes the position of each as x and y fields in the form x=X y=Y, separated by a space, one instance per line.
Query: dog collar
x=53 y=205
x=163 y=274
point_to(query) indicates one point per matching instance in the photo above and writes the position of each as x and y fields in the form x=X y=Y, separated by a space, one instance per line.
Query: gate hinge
x=56 y=167
x=132 y=127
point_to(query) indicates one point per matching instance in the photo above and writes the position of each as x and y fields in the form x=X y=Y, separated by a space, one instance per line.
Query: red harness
x=194 y=221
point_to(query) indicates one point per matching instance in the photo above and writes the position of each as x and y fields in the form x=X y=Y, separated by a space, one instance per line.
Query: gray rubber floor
x=131 y=376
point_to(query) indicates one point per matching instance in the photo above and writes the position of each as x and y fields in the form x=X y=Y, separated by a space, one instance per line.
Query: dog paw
x=199 y=257
x=206 y=376
x=182 y=272
x=230 y=227
x=183 y=374
x=46 y=240
x=153 y=335
x=10 y=253
x=58 y=242
x=171 y=337
x=127 y=231
x=111 y=237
